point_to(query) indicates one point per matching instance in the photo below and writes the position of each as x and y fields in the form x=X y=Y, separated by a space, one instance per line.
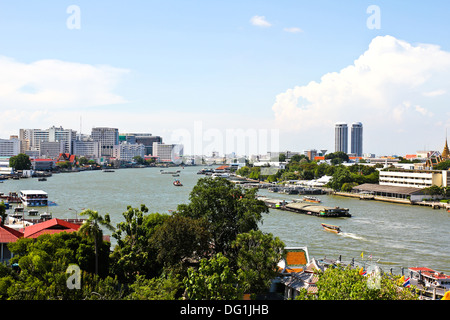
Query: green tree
x=134 y=253
x=3 y=213
x=91 y=229
x=20 y=162
x=257 y=257
x=214 y=280
x=180 y=239
x=345 y=283
x=226 y=208
x=158 y=288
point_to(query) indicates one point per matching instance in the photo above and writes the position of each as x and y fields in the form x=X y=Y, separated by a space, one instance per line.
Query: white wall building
x=127 y=151
x=168 y=152
x=87 y=149
x=415 y=179
x=9 y=148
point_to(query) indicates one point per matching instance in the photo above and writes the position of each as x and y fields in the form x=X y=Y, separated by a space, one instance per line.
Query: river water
x=394 y=235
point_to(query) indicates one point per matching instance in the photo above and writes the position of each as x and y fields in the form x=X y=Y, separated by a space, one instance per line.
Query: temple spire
x=446 y=152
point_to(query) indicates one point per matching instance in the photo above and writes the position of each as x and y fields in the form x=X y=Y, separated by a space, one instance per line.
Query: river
x=394 y=235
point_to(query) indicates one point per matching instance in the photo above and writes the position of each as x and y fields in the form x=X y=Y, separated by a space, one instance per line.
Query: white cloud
x=260 y=21
x=293 y=30
x=56 y=84
x=378 y=89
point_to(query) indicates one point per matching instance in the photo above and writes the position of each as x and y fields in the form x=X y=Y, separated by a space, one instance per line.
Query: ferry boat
x=177 y=183
x=427 y=279
x=33 y=198
x=331 y=228
x=311 y=199
x=33 y=212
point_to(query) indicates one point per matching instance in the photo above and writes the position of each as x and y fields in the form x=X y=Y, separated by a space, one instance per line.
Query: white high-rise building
x=87 y=148
x=341 y=137
x=357 y=139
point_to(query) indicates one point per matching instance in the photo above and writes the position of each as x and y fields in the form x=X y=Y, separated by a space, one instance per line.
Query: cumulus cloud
x=56 y=84
x=392 y=85
x=260 y=21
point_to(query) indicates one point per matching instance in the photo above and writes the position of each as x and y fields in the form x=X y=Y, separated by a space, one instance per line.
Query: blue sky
x=168 y=67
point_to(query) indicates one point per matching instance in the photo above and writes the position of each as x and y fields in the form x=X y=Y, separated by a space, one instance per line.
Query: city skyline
x=283 y=70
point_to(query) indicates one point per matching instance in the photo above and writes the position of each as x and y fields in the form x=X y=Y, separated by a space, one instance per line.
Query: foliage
x=133 y=253
x=3 y=213
x=91 y=229
x=226 y=208
x=20 y=162
x=257 y=257
x=214 y=280
x=158 y=288
x=444 y=165
x=345 y=283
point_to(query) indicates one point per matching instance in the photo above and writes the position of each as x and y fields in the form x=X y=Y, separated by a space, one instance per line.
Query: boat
x=331 y=228
x=177 y=183
x=34 y=198
x=42 y=179
x=311 y=199
x=175 y=175
x=45 y=215
x=33 y=212
x=108 y=170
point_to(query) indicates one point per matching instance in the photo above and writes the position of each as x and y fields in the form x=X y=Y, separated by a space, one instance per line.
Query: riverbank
x=432 y=204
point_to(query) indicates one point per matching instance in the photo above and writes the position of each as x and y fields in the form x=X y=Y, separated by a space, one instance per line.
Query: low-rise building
x=414 y=178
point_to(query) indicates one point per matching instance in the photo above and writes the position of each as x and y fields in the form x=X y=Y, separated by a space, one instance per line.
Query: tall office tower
x=357 y=139
x=341 y=137
x=108 y=138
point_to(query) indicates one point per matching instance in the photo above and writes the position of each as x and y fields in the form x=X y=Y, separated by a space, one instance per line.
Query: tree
x=20 y=162
x=214 y=280
x=3 y=213
x=345 y=283
x=179 y=239
x=226 y=208
x=91 y=228
x=134 y=253
x=257 y=257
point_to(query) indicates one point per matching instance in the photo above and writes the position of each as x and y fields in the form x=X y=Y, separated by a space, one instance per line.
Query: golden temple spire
x=446 y=152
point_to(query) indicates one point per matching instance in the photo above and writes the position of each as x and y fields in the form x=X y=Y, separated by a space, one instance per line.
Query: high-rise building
x=357 y=139
x=341 y=137
x=168 y=152
x=108 y=138
x=9 y=148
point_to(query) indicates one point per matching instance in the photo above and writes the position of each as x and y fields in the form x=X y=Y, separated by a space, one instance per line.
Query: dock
x=306 y=208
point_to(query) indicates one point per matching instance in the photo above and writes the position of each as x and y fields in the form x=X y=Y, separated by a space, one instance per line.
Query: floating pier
x=306 y=208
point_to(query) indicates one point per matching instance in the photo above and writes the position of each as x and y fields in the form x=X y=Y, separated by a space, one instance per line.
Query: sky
x=243 y=76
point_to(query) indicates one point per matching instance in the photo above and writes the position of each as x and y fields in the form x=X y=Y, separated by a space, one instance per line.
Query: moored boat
x=331 y=228
x=311 y=199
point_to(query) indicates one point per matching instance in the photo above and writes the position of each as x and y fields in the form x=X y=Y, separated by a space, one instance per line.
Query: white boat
x=33 y=212
x=34 y=198
x=45 y=215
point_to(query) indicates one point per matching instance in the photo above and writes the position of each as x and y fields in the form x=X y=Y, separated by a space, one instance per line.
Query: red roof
x=8 y=234
x=49 y=227
x=430 y=273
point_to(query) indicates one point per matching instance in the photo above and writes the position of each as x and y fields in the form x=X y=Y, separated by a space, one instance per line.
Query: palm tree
x=91 y=229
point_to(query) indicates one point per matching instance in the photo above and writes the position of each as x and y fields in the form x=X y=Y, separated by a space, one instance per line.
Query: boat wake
x=351 y=235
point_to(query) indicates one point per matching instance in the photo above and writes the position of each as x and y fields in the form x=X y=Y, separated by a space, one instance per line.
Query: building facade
x=9 y=148
x=127 y=151
x=107 y=137
x=168 y=152
x=415 y=178
x=341 y=137
x=87 y=148
x=357 y=139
